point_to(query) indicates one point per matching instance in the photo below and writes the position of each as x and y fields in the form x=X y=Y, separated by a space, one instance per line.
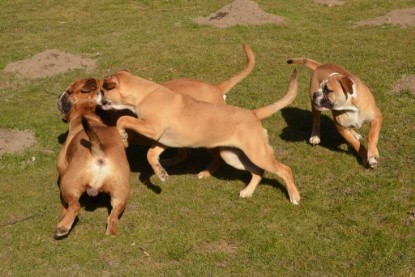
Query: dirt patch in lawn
x=240 y=12
x=49 y=63
x=14 y=141
x=405 y=83
x=402 y=17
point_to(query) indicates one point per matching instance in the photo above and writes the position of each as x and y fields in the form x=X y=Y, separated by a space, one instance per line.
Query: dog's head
x=84 y=89
x=114 y=93
x=335 y=93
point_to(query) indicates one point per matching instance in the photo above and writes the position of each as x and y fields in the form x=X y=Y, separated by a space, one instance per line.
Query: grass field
x=351 y=221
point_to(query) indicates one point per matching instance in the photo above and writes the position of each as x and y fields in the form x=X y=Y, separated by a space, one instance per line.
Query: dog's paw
x=203 y=174
x=163 y=175
x=314 y=140
x=60 y=232
x=372 y=162
x=356 y=135
x=294 y=196
x=245 y=193
x=123 y=134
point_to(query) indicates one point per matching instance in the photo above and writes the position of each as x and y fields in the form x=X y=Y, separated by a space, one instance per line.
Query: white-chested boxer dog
x=351 y=103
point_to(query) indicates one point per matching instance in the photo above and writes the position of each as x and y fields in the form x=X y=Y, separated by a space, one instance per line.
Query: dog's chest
x=350 y=119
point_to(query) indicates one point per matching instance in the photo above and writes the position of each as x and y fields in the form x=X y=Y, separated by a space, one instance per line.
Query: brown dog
x=92 y=160
x=351 y=103
x=199 y=90
x=175 y=120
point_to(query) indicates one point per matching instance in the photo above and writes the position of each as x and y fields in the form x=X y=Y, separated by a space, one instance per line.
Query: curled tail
x=226 y=86
x=312 y=64
x=97 y=148
x=288 y=98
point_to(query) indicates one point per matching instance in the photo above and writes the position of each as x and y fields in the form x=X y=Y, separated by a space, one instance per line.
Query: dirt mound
x=403 y=17
x=13 y=141
x=240 y=12
x=405 y=83
x=49 y=63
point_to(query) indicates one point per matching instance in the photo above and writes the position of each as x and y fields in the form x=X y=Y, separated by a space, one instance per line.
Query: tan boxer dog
x=92 y=160
x=200 y=90
x=175 y=120
x=351 y=103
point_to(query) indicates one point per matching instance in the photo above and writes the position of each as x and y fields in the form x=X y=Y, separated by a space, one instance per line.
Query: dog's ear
x=90 y=85
x=110 y=82
x=347 y=85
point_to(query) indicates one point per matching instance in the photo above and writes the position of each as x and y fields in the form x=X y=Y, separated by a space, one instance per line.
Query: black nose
x=317 y=94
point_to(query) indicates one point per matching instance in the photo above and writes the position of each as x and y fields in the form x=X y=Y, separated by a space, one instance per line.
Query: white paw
x=203 y=174
x=356 y=135
x=245 y=193
x=314 y=140
x=373 y=161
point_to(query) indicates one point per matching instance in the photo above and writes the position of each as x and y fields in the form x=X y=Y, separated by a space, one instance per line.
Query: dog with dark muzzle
x=351 y=103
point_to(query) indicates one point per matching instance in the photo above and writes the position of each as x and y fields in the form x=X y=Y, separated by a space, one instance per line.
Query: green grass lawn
x=351 y=221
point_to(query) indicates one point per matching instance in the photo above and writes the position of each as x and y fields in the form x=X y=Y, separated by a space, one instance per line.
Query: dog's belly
x=191 y=138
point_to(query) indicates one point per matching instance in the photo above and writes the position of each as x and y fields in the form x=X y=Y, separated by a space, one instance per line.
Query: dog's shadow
x=299 y=129
x=198 y=160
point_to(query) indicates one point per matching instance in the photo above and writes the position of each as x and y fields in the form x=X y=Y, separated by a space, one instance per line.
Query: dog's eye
x=326 y=89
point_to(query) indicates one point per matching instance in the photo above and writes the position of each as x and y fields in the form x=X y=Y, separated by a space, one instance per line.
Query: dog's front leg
x=153 y=158
x=373 y=137
x=349 y=136
x=138 y=125
x=315 y=133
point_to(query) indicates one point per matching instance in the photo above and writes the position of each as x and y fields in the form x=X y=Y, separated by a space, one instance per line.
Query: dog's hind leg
x=153 y=158
x=181 y=155
x=237 y=159
x=215 y=164
x=263 y=157
x=64 y=226
x=118 y=207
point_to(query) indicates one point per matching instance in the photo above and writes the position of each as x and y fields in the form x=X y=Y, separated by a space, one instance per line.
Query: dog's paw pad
x=314 y=140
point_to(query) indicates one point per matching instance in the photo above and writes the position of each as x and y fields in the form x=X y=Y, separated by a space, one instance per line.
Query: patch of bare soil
x=240 y=12
x=402 y=17
x=329 y=3
x=49 y=63
x=405 y=83
x=13 y=141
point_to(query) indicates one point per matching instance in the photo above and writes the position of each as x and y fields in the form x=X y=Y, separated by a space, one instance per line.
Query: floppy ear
x=347 y=85
x=90 y=85
x=110 y=82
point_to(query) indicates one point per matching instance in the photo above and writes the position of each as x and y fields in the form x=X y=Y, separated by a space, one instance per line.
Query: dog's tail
x=312 y=64
x=288 y=98
x=227 y=85
x=97 y=148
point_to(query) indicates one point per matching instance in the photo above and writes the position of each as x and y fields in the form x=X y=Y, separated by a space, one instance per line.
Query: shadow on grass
x=299 y=129
x=199 y=160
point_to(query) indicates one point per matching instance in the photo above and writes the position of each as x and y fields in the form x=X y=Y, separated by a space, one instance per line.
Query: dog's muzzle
x=64 y=104
x=321 y=102
x=102 y=101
